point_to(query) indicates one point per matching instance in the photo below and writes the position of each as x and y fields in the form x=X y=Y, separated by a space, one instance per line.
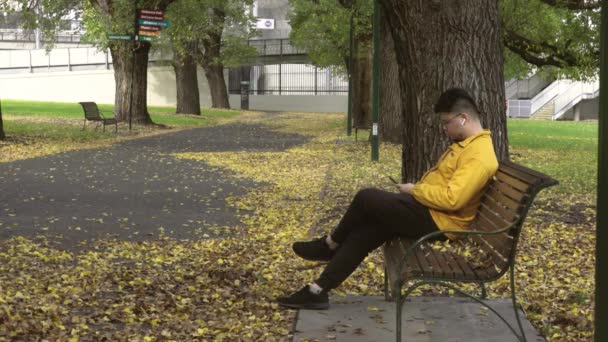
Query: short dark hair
x=456 y=100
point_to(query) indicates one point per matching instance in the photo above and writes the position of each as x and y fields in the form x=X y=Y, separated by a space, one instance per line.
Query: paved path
x=425 y=319
x=131 y=190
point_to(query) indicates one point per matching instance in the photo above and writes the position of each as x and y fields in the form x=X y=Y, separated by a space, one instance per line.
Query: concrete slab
x=358 y=319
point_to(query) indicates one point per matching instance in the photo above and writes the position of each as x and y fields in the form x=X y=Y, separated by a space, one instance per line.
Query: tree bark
x=217 y=86
x=131 y=77
x=210 y=61
x=391 y=127
x=362 y=80
x=186 y=82
x=442 y=44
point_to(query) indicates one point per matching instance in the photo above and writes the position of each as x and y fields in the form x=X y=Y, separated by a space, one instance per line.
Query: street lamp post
x=601 y=247
x=376 y=83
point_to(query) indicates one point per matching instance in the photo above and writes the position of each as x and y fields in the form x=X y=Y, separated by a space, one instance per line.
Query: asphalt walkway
x=133 y=190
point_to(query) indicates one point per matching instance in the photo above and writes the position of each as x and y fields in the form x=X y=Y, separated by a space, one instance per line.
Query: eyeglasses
x=444 y=123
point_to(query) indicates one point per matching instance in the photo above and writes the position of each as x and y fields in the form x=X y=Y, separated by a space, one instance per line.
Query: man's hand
x=406 y=188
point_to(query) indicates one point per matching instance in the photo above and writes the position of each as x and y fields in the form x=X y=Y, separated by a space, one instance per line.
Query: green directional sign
x=153 y=23
x=145 y=38
x=119 y=37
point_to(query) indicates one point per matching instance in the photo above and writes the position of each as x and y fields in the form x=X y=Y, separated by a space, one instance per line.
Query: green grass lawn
x=563 y=149
x=67 y=110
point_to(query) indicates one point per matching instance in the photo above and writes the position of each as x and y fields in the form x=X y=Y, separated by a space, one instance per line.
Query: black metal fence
x=287 y=79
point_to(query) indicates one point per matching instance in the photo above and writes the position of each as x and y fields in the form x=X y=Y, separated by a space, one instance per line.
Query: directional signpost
x=148 y=24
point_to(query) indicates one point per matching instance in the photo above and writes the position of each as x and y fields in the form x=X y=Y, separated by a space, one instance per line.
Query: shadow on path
x=133 y=190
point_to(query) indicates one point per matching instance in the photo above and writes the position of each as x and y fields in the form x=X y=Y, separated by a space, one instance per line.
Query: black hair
x=456 y=100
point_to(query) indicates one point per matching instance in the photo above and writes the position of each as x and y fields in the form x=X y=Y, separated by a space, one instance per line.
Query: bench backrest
x=506 y=201
x=91 y=112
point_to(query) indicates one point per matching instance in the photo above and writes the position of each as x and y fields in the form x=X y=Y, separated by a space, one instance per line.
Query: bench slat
x=494 y=204
x=509 y=191
x=524 y=176
x=512 y=181
x=501 y=243
x=425 y=266
x=503 y=200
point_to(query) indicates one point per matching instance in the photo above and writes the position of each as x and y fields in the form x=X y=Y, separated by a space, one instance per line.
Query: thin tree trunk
x=443 y=44
x=209 y=59
x=217 y=86
x=362 y=80
x=186 y=81
x=391 y=126
x=130 y=78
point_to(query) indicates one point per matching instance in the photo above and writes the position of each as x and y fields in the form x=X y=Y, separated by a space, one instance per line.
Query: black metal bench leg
x=484 y=292
x=84 y=124
x=521 y=328
x=387 y=296
x=399 y=300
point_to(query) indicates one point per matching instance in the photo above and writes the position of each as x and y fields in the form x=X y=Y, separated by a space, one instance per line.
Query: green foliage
x=572 y=36
x=322 y=28
x=46 y=15
x=194 y=21
x=98 y=24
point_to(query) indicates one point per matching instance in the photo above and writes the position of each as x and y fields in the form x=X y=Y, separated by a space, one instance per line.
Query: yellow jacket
x=452 y=189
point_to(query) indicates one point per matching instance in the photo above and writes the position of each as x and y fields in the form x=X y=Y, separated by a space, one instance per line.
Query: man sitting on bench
x=447 y=197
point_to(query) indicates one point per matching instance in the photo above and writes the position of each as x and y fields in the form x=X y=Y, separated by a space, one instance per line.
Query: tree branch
x=574 y=4
x=539 y=54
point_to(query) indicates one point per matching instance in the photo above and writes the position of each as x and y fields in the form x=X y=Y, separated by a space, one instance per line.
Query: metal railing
x=287 y=79
x=30 y=37
x=275 y=47
x=63 y=59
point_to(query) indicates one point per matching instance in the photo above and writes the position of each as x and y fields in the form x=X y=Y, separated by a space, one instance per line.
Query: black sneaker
x=316 y=250
x=304 y=299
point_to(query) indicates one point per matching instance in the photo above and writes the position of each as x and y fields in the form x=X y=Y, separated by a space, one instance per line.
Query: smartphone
x=392 y=179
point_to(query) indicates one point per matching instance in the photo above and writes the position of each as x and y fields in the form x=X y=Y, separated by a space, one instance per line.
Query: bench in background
x=92 y=113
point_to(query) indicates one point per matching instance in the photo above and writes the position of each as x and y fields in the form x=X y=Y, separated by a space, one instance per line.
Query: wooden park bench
x=92 y=113
x=482 y=254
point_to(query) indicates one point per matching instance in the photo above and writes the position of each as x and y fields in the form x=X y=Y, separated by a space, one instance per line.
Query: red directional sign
x=151 y=14
x=149 y=28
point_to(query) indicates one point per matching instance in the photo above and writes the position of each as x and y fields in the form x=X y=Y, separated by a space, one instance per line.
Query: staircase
x=545 y=112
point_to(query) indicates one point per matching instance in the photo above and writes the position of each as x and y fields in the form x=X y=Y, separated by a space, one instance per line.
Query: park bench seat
x=481 y=254
x=92 y=113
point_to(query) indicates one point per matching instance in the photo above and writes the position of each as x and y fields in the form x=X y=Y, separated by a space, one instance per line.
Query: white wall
x=294 y=103
x=92 y=85
x=98 y=86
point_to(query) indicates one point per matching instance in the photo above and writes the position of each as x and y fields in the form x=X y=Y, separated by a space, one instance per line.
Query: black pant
x=373 y=217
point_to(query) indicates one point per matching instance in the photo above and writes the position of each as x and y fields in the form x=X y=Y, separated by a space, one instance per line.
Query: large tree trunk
x=210 y=56
x=362 y=80
x=186 y=81
x=131 y=77
x=391 y=126
x=441 y=44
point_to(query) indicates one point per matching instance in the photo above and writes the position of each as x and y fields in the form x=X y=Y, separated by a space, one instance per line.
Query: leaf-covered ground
x=224 y=289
